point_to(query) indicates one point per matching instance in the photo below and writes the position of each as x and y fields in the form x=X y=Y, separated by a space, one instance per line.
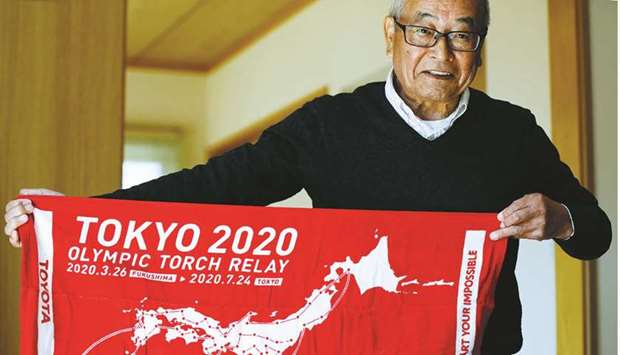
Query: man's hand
x=534 y=216
x=17 y=212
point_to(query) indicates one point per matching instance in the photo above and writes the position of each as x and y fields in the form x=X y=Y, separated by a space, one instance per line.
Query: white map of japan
x=249 y=337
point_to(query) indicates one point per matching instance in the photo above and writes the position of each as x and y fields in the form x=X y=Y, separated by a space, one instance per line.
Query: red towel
x=128 y=277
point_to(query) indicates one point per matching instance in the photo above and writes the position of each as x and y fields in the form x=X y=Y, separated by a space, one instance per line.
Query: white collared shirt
x=429 y=129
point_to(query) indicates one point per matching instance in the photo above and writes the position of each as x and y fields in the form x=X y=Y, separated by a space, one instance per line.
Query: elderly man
x=420 y=141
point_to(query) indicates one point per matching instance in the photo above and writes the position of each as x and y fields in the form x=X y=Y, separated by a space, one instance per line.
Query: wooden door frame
x=570 y=127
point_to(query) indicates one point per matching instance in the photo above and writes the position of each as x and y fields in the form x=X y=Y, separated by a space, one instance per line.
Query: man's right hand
x=17 y=212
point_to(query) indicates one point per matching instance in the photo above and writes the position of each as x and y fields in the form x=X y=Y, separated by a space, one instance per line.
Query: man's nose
x=441 y=50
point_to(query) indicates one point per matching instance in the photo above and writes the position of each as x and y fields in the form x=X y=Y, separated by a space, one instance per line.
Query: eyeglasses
x=425 y=37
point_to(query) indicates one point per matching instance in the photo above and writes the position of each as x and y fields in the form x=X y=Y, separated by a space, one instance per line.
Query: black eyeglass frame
x=438 y=35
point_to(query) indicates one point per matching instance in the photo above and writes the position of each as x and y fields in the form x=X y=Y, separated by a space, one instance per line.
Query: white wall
x=604 y=70
x=518 y=71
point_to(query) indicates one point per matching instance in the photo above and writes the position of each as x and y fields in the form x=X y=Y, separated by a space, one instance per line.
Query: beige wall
x=157 y=98
x=518 y=56
x=330 y=43
x=603 y=55
x=518 y=71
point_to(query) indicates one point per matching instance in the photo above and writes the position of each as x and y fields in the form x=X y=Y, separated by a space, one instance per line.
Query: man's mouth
x=438 y=74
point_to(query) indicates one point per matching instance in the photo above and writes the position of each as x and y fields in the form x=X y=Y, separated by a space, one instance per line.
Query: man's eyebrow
x=468 y=20
x=421 y=15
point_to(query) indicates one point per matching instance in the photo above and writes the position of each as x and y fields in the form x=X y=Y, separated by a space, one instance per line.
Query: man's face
x=437 y=74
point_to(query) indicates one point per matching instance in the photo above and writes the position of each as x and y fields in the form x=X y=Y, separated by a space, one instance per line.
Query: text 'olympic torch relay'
x=128 y=277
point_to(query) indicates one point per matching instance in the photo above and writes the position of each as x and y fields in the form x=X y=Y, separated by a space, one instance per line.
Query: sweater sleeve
x=252 y=174
x=555 y=180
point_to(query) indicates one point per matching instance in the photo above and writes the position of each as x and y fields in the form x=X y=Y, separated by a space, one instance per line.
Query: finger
x=16 y=202
x=39 y=192
x=502 y=233
x=514 y=206
x=14 y=223
x=17 y=211
x=521 y=216
x=530 y=230
x=14 y=240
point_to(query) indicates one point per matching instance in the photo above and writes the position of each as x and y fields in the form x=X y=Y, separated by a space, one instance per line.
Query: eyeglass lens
x=425 y=37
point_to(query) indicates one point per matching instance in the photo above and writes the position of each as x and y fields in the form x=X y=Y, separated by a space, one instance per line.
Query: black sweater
x=354 y=151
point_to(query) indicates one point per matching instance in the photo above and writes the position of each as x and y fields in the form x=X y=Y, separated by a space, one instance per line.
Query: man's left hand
x=534 y=216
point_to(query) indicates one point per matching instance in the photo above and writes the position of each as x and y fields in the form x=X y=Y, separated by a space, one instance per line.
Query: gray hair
x=398 y=6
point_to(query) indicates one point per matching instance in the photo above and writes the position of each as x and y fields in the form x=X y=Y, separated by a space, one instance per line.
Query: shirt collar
x=420 y=125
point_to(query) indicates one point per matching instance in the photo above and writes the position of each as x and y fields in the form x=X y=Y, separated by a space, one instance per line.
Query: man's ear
x=479 y=55
x=388 y=32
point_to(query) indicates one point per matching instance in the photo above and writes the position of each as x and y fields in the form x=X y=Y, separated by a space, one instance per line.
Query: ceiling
x=199 y=34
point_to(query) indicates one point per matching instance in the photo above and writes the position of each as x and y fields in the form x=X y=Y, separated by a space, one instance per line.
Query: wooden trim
x=157 y=68
x=152 y=133
x=253 y=131
x=155 y=129
x=570 y=134
x=123 y=92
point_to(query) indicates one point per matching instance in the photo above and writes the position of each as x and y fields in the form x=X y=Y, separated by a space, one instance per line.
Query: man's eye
x=461 y=35
x=422 y=31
